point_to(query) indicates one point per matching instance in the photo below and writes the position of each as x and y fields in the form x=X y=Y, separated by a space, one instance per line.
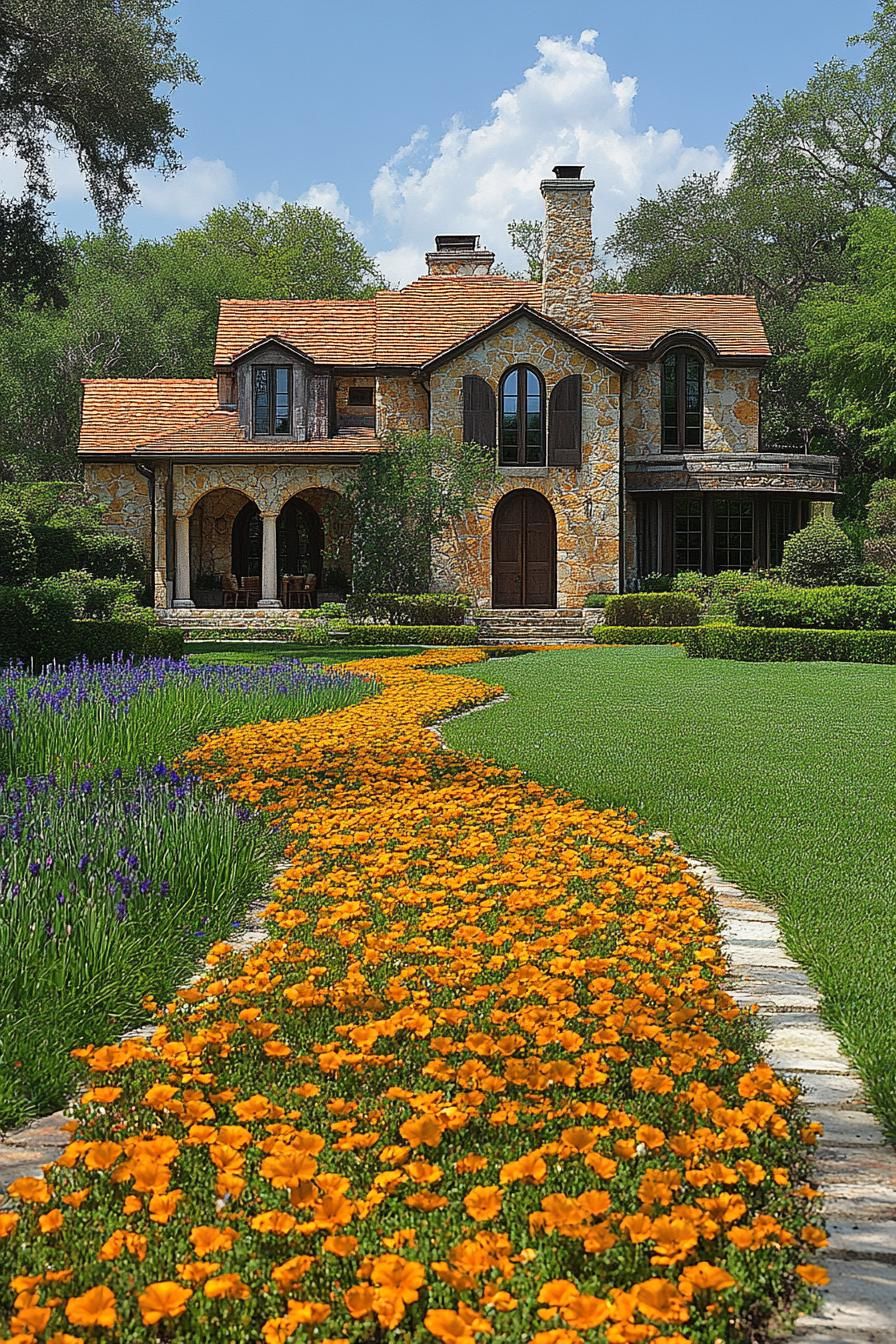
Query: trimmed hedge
x=99 y=640
x=640 y=609
x=760 y=645
x=361 y=636
x=818 y=555
x=408 y=608
x=36 y=626
x=842 y=607
x=640 y=634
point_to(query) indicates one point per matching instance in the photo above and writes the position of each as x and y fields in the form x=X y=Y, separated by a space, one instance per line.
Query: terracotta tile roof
x=420 y=321
x=331 y=331
x=220 y=432
x=410 y=326
x=120 y=413
x=635 y=321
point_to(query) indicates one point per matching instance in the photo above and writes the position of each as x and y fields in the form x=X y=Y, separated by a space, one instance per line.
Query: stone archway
x=212 y=523
x=314 y=536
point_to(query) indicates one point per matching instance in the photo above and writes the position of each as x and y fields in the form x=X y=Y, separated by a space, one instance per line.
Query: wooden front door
x=524 y=551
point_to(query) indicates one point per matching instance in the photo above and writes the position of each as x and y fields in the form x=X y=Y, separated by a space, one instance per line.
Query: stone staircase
x=533 y=625
x=214 y=622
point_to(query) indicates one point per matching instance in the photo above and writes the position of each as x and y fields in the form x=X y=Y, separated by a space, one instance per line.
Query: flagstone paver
x=856 y=1167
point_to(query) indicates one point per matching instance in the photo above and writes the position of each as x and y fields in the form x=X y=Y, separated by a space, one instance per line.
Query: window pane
x=510 y=435
x=281 y=400
x=688 y=535
x=262 y=409
x=693 y=410
x=670 y=401
x=733 y=534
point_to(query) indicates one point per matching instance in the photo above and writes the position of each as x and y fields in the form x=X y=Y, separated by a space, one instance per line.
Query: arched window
x=521 y=418
x=682 y=399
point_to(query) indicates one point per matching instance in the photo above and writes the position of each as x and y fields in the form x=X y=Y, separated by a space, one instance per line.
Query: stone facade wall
x=211 y=532
x=568 y=265
x=585 y=500
x=270 y=485
x=730 y=410
x=124 y=496
x=401 y=403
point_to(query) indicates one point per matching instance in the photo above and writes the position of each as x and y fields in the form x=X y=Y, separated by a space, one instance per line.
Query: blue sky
x=386 y=113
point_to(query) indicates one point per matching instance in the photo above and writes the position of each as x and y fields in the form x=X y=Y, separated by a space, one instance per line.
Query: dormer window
x=682 y=374
x=272 y=399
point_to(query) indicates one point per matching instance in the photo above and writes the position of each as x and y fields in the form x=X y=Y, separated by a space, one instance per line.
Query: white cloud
x=189 y=195
x=565 y=109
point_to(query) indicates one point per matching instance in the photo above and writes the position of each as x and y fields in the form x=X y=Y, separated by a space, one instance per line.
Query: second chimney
x=459 y=254
x=568 y=264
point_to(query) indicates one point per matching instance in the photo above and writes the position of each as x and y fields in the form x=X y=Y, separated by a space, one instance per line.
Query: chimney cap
x=567 y=170
x=457 y=242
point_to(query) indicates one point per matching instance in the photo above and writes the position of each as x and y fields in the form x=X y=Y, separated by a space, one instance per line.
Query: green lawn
x=783 y=774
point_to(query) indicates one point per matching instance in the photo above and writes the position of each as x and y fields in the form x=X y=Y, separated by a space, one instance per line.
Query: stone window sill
x=536 y=472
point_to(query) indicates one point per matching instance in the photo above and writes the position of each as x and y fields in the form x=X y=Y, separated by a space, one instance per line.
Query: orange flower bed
x=480 y=1083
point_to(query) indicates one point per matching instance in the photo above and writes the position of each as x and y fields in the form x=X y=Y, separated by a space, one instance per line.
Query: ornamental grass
x=482 y=1081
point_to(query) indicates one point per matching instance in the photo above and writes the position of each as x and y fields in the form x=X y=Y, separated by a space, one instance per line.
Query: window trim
x=270 y=432
x=681 y=354
x=521 y=414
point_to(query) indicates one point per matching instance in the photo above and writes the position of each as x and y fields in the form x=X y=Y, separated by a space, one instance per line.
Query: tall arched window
x=682 y=399
x=521 y=417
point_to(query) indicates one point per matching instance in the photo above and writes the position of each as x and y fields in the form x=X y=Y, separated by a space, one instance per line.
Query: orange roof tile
x=120 y=413
x=331 y=331
x=636 y=321
x=410 y=326
x=220 y=432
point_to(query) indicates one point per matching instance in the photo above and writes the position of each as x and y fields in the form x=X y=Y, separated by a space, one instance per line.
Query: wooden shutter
x=319 y=406
x=565 y=423
x=480 y=424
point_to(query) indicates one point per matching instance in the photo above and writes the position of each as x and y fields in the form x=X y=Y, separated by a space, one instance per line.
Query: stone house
x=627 y=430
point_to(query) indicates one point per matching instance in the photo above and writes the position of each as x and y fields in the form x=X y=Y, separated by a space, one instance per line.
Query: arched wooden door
x=524 y=551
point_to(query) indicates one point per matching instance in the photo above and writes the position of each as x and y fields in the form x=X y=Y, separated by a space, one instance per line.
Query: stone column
x=269 y=596
x=182 y=560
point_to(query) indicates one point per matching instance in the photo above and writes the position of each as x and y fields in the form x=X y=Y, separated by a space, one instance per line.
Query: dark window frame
x=521 y=448
x=352 y=399
x=270 y=431
x=674 y=438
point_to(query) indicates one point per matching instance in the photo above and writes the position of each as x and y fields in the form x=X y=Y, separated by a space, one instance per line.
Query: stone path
x=856 y=1167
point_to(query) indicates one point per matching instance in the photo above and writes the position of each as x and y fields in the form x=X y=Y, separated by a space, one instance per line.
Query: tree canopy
x=91 y=77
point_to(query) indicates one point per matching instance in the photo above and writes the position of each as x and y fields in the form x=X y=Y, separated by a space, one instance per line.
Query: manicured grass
x=782 y=774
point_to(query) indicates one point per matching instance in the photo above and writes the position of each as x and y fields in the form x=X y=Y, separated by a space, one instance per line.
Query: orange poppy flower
x=229 y=1286
x=96 y=1307
x=483 y=1202
x=163 y=1301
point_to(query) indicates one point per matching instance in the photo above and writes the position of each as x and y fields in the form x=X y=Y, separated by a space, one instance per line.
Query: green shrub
x=362 y=636
x=657 y=583
x=106 y=555
x=639 y=634
x=840 y=607
x=94 y=599
x=880 y=546
x=17 y=549
x=639 y=609
x=752 y=644
x=408 y=609
x=818 y=555
x=594 y=601
x=35 y=623
x=99 y=640
x=693 y=582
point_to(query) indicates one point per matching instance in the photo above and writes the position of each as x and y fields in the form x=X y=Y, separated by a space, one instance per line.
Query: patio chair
x=251 y=586
x=232 y=595
x=307 y=596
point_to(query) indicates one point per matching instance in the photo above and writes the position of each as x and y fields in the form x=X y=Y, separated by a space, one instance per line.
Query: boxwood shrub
x=360 y=636
x=755 y=644
x=408 y=608
x=631 y=609
x=640 y=634
x=37 y=627
x=841 y=607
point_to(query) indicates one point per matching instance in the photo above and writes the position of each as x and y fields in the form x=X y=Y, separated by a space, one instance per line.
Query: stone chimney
x=567 y=271
x=459 y=254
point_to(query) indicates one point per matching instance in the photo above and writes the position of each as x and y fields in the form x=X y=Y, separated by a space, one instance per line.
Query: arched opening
x=524 y=551
x=300 y=540
x=245 y=543
x=213 y=522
